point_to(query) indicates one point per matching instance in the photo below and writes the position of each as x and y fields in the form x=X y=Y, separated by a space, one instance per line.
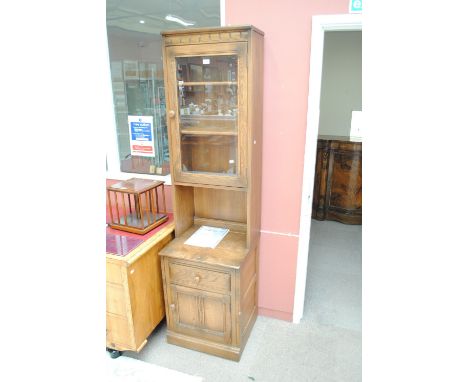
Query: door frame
x=320 y=25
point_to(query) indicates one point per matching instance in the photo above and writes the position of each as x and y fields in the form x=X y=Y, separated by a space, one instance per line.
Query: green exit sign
x=355 y=6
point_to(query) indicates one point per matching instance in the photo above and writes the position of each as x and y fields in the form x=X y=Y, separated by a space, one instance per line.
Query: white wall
x=341 y=81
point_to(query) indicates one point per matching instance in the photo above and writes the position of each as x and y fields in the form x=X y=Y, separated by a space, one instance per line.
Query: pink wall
x=287 y=27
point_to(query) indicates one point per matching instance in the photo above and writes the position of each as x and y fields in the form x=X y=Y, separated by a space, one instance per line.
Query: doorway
x=320 y=25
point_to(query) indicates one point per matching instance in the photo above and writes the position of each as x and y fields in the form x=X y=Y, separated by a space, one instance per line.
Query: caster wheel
x=114 y=353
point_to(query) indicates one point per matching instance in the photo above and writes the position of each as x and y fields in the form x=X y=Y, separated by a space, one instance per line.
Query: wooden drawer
x=115 y=299
x=113 y=273
x=118 y=332
x=199 y=278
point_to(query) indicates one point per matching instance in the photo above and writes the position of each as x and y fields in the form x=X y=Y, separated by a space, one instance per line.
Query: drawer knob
x=197 y=279
x=172 y=306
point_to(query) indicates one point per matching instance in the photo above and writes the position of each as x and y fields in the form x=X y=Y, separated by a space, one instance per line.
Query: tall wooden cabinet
x=214 y=82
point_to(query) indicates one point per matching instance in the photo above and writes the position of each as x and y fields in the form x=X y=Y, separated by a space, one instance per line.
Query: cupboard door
x=207 y=102
x=200 y=314
x=344 y=196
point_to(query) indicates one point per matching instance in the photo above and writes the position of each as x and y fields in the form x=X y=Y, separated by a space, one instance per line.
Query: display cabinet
x=214 y=82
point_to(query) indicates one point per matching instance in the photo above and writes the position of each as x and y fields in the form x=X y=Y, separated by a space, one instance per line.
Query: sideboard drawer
x=118 y=331
x=113 y=273
x=115 y=299
x=199 y=278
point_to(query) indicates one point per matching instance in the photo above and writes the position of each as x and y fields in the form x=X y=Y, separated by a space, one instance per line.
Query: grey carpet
x=324 y=347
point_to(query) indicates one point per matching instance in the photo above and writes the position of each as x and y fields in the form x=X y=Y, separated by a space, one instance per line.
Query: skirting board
x=285 y=316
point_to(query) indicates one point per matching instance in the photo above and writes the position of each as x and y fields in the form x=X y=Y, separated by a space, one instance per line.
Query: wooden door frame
x=320 y=24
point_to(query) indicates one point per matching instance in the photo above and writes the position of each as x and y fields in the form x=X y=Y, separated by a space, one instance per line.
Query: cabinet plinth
x=214 y=82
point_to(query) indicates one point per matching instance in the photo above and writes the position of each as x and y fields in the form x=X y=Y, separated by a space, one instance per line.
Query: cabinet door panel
x=201 y=314
x=345 y=182
x=187 y=309
x=207 y=97
x=214 y=313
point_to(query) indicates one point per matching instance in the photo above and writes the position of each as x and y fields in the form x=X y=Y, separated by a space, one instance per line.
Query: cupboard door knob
x=171 y=113
x=172 y=306
x=197 y=279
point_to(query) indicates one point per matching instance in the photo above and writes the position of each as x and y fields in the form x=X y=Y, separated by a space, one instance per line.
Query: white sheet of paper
x=206 y=236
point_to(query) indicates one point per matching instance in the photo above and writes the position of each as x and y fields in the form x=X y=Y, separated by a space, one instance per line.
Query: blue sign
x=141 y=135
x=141 y=131
x=355 y=6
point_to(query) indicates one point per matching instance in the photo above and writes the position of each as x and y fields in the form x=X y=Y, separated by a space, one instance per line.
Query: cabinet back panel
x=220 y=204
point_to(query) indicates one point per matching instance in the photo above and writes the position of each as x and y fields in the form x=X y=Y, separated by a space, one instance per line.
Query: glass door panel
x=208 y=110
x=209 y=153
x=207 y=113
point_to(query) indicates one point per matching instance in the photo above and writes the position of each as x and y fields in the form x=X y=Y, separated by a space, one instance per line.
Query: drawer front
x=113 y=273
x=115 y=299
x=118 y=332
x=199 y=278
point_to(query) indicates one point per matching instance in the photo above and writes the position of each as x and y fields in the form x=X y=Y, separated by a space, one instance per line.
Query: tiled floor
x=324 y=347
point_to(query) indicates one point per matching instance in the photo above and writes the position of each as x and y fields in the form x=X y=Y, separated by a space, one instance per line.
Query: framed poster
x=130 y=70
x=141 y=135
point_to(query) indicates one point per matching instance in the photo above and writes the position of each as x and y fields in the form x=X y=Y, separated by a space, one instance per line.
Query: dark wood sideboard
x=338 y=180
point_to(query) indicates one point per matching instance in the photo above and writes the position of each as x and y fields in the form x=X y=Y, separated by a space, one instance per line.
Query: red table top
x=121 y=243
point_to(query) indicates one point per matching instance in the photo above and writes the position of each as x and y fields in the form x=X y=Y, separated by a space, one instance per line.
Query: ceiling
x=123 y=16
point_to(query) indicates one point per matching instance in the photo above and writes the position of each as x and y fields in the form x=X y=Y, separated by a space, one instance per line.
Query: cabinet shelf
x=204 y=83
x=207 y=117
x=209 y=130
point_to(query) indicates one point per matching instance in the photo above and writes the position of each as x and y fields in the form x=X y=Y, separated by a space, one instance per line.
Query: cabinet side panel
x=183 y=208
x=255 y=112
x=146 y=292
x=248 y=295
x=320 y=186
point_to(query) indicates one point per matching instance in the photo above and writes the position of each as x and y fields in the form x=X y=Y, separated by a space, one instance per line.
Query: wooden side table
x=134 y=291
x=134 y=205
